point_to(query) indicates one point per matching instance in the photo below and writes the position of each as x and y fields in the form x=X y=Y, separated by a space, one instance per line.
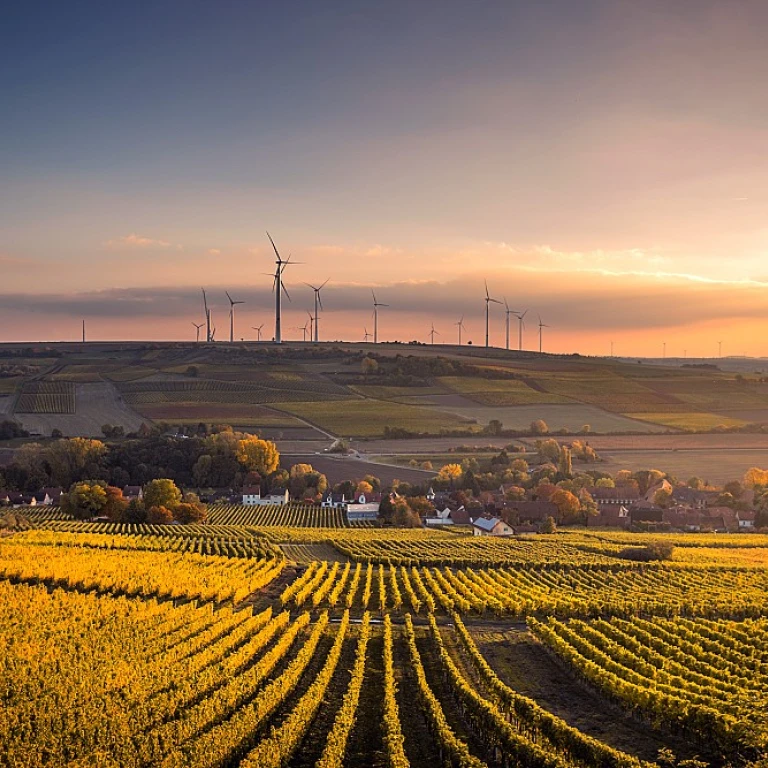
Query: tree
x=450 y=473
x=549 y=525
x=363 y=487
x=258 y=455
x=662 y=498
x=734 y=488
x=191 y=510
x=548 y=450
x=696 y=483
x=755 y=477
x=159 y=515
x=605 y=482
x=495 y=427
x=202 y=470
x=116 y=503
x=567 y=504
x=161 y=493
x=369 y=366
x=566 y=463
x=539 y=427
x=426 y=465
x=135 y=512
x=421 y=505
x=84 y=500
x=75 y=459
x=403 y=515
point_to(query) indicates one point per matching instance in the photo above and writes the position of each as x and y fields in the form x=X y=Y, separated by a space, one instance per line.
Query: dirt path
x=523 y=663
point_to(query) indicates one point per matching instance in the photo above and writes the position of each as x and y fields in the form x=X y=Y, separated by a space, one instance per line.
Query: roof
x=251 y=490
x=486 y=523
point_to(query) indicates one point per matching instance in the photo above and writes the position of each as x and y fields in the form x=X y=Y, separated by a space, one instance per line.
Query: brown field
x=671 y=442
x=225 y=413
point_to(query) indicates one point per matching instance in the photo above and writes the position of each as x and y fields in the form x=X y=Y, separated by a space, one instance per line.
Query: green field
x=495 y=392
x=368 y=418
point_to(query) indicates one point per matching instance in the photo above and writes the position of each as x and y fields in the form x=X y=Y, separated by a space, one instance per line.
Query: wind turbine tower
x=508 y=313
x=367 y=335
x=488 y=302
x=432 y=334
x=318 y=303
x=232 y=304
x=520 y=326
x=83 y=331
x=208 y=336
x=197 y=328
x=376 y=306
x=258 y=328
x=461 y=327
x=541 y=326
x=278 y=286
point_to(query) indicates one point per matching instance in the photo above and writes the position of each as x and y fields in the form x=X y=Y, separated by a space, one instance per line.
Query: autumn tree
x=75 y=459
x=161 y=493
x=159 y=515
x=565 y=464
x=84 y=500
x=549 y=525
x=369 y=366
x=363 y=487
x=755 y=477
x=258 y=455
x=548 y=450
x=116 y=504
x=605 y=482
x=539 y=427
x=662 y=498
x=568 y=505
x=450 y=473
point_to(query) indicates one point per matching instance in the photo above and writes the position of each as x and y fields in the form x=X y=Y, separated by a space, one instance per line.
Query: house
x=18 y=499
x=746 y=520
x=334 y=500
x=610 y=516
x=131 y=492
x=662 y=485
x=252 y=497
x=49 y=496
x=645 y=512
x=491 y=526
x=363 y=507
x=621 y=496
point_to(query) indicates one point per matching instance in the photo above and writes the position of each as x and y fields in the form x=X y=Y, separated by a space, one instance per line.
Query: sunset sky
x=602 y=164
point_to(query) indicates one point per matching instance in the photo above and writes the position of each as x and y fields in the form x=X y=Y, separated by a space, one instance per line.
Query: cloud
x=588 y=302
x=377 y=251
x=214 y=252
x=137 y=241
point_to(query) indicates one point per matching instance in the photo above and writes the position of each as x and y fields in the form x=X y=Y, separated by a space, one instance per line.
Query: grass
x=500 y=391
x=695 y=422
x=368 y=418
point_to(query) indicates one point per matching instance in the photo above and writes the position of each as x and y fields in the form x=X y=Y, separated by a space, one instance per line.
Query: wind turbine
x=461 y=327
x=318 y=303
x=278 y=286
x=198 y=327
x=488 y=301
x=520 y=326
x=303 y=329
x=367 y=335
x=433 y=333
x=232 y=304
x=208 y=336
x=376 y=306
x=258 y=328
x=508 y=313
x=541 y=326
x=311 y=322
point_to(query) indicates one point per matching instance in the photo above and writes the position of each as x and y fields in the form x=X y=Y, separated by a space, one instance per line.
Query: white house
x=746 y=520
x=485 y=526
x=334 y=500
x=364 y=507
x=252 y=497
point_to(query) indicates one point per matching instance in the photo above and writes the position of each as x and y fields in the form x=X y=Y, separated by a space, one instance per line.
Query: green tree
x=85 y=500
x=161 y=493
x=549 y=525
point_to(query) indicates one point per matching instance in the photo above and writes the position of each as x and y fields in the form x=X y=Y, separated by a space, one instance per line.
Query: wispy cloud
x=138 y=241
x=214 y=252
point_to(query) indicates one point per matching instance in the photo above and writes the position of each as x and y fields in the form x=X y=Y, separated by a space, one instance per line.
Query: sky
x=601 y=164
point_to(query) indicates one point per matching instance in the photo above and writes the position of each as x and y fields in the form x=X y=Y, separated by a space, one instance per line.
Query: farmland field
x=368 y=418
x=242 y=414
x=570 y=417
x=500 y=392
x=47 y=397
x=695 y=422
x=250 y=645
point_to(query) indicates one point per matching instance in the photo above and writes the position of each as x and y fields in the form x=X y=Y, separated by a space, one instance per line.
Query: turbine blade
x=324 y=284
x=319 y=300
x=277 y=253
x=229 y=297
x=285 y=290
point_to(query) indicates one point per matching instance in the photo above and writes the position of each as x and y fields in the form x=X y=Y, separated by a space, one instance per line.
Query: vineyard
x=153 y=391
x=242 y=644
x=293 y=515
x=47 y=397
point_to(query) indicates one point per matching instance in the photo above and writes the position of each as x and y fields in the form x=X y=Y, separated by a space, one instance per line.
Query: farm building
x=252 y=497
x=490 y=526
x=364 y=507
